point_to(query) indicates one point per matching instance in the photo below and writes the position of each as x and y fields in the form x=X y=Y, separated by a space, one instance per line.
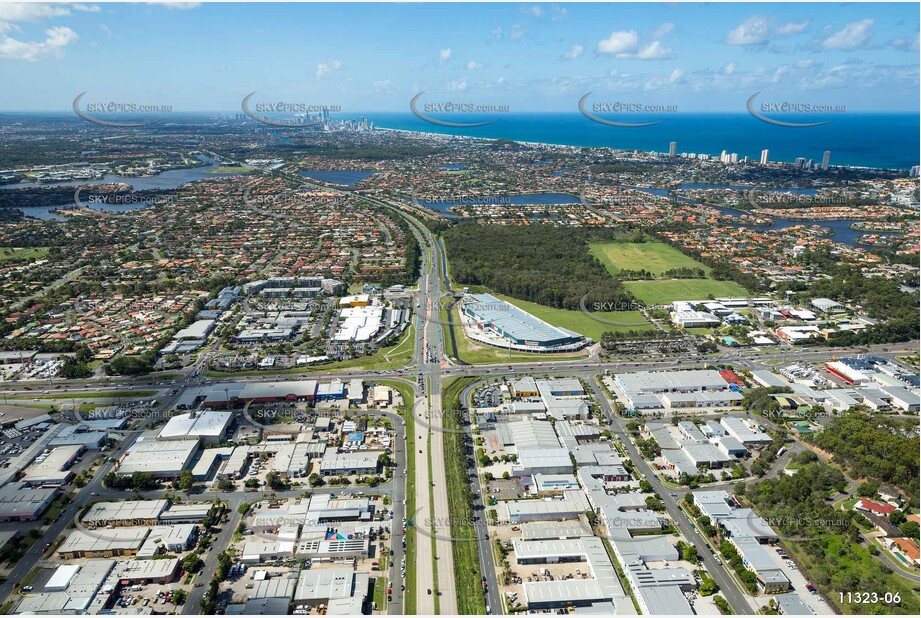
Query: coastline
x=646 y=152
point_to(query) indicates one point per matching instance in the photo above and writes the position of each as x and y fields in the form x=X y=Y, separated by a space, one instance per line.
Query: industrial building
x=169 y=539
x=601 y=586
x=148 y=571
x=699 y=388
x=354 y=462
x=125 y=513
x=53 y=468
x=209 y=427
x=72 y=589
x=104 y=543
x=748 y=533
x=321 y=586
x=233 y=393
x=164 y=459
x=745 y=431
x=22 y=504
x=570 y=506
x=514 y=327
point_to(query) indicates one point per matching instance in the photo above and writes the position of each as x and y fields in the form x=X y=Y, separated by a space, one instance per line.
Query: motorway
x=430 y=366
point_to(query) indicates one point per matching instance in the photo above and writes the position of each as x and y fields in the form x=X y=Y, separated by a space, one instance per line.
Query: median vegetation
x=467 y=574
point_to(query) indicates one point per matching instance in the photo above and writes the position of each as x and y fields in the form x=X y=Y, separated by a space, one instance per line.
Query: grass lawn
x=21 y=254
x=667 y=290
x=581 y=323
x=466 y=561
x=656 y=257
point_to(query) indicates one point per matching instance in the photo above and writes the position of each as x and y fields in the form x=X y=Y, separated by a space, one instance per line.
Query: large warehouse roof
x=16 y=503
x=127 y=510
x=104 y=540
x=159 y=457
x=196 y=425
x=513 y=322
x=661 y=381
x=325 y=584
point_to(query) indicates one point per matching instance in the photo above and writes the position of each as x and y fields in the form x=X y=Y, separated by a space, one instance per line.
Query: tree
x=273 y=480
x=225 y=484
x=179 y=596
x=191 y=563
x=186 y=481
x=910 y=529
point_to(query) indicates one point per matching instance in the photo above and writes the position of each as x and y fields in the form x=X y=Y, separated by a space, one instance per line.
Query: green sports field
x=656 y=257
x=663 y=291
x=22 y=254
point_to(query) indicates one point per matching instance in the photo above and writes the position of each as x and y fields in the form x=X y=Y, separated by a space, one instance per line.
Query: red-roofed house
x=907 y=547
x=880 y=508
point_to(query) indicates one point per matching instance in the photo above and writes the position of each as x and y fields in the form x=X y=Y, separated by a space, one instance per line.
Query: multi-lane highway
x=429 y=367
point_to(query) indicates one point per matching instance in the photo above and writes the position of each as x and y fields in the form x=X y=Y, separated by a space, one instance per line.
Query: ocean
x=887 y=141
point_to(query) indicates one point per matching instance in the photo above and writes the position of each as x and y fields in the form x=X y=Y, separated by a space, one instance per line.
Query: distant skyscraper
x=764 y=157
x=914 y=170
x=734 y=157
x=826 y=157
x=799 y=162
x=672 y=149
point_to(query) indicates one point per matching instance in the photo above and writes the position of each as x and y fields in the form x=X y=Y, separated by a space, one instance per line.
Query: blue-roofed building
x=334 y=389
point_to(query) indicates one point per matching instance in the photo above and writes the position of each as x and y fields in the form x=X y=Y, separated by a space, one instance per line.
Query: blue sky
x=531 y=57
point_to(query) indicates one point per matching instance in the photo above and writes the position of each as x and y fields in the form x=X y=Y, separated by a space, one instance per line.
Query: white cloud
x=574 y=52
x=535 y=9
x=106 y=29
x=56 y=40
x=516 y=32
x=752 y=31
x=497 y=32
x=328 y=67
x=676 y=75
x=730 y=68
x=781 y=72
x=31 y=11
x=853 y=35
x=473 y=65
x=791 y=28
x=905 y=44
x=444 y=54
x=460 y=84
x=383 y=85
x=663 y=30
x=620 y=42
x=653 y=51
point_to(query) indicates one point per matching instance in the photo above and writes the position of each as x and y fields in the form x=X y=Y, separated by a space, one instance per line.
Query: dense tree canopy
x=548 y=265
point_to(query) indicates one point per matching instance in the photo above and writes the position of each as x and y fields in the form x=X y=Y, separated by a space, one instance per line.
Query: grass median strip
x=467 y=574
